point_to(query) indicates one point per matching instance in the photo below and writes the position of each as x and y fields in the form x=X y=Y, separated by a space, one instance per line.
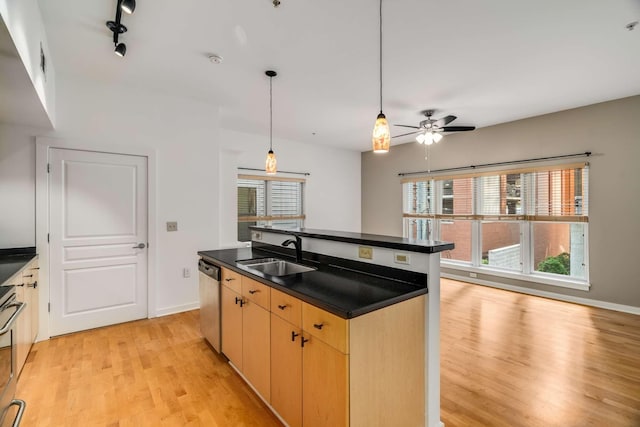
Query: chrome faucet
x=298 y=244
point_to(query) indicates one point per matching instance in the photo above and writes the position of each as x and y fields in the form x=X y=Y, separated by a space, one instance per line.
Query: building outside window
x=530 y=222
x=275 y=201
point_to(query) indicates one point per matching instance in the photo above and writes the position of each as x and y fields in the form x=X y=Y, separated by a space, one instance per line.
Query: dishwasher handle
x=209 y=269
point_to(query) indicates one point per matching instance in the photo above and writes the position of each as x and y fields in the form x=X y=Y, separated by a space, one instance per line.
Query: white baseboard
x=177 y=309
x=567 y=298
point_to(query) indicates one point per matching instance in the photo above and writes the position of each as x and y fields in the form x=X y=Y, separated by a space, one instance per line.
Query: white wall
x=17 y=184
x=196 y=170
x=332 y=193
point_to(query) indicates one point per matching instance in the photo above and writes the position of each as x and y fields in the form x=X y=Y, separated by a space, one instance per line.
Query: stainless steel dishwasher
x=209 y=279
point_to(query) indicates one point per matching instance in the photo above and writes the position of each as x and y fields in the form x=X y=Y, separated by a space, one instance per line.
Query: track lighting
x=116 y=26
x=121 y=49
x=128 y=6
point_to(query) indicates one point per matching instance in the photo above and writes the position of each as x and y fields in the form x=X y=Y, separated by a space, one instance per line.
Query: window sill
x=534 y=278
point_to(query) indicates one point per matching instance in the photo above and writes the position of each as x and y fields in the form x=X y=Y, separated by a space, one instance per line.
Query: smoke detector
x=216 y=59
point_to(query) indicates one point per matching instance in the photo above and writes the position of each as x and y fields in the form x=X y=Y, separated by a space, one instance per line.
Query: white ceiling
x=487 y=62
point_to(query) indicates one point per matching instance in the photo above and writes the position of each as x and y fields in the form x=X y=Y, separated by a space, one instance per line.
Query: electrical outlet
x=365 y=252
x=473 y=275
x=172 y=226
x=401 y=258
x=256 y=235
x=186 y=273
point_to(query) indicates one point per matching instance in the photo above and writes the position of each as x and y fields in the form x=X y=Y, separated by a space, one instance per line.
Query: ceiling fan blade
x=457 y=128
x=407 y=126
x=444 y=121
x=405 y=134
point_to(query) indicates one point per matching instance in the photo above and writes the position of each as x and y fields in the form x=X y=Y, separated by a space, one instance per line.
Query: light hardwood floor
x=507 y=360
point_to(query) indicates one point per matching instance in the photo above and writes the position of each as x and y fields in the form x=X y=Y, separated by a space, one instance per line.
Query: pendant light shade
x=381 y=133
x=271 y=163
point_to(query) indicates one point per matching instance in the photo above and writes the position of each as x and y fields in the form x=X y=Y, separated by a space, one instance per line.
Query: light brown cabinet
x=231 y=313
x=27 y=323
x=317 y=369
x=246 y=336
x=286 y=357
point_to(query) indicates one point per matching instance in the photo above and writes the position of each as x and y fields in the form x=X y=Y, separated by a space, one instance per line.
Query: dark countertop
x=391 y=242
x=341 y=291
x=14 y=260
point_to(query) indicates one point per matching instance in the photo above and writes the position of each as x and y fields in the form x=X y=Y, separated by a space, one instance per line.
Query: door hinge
x=49 y=307
x=48 y=238
x=48 y=167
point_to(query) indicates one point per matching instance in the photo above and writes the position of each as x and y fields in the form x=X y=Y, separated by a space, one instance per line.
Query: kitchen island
x=363 y=325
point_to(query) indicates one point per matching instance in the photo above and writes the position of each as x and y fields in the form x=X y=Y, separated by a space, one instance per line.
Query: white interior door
x=98 y=226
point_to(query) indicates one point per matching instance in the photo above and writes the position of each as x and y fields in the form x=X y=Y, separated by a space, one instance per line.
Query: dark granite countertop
x=391 y=242
x=14 y=260
x=339 y=290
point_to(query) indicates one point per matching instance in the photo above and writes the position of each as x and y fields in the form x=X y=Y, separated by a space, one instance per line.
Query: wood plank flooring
x=156 y=372
x=507 y=360
x=510 y=359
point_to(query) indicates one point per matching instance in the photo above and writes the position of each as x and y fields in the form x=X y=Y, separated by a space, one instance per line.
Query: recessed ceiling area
x=485 y=62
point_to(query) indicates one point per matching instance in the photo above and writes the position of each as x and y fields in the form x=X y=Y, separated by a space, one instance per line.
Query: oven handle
x=7 y=326
x=21 y=404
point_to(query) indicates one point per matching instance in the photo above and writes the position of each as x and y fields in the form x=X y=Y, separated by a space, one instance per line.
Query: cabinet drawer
x=325 y=326
x=256 y=292
x=286 y=307
x=231 y=279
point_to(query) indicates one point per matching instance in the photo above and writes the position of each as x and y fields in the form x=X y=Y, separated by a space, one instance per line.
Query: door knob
x=140 y=246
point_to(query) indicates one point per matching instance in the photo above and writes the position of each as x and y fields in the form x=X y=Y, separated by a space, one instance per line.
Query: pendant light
x=271 y=163
x=381 y=133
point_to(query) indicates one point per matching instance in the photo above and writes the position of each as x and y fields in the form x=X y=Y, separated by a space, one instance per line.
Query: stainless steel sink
x=274 y=266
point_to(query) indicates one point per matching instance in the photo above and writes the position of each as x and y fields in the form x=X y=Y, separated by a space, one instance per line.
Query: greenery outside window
x=263 y=200
x=529 y=222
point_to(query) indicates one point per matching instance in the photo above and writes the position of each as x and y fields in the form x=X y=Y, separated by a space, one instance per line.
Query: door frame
x=43 y=146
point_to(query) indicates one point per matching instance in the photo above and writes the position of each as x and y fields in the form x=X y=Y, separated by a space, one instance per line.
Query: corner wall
x=610 y=130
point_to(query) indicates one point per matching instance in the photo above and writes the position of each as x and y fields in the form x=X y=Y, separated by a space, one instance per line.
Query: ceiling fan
x=430 y=130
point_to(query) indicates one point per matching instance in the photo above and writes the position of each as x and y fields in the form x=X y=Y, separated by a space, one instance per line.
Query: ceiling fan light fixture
x=128 y=6
x=271 y=164
x=437 y=137
x=420 y=138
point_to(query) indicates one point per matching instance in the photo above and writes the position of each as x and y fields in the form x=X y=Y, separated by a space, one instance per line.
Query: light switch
x=365 y=252
x=172 y=226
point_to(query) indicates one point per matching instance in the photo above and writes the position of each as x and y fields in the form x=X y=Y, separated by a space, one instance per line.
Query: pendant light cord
x=270 y=113
x=380 y=56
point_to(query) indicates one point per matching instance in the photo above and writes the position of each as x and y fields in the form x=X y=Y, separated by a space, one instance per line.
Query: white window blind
x=269 y=201
x=556 y=193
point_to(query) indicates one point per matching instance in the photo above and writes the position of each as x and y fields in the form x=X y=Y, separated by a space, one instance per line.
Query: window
x=269 y=201
x=530 y=222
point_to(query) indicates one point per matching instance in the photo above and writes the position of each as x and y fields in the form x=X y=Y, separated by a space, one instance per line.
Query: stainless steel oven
x=12 y=408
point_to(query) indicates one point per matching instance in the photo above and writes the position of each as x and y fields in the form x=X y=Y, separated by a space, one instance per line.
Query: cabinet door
x=286 y=370
x=256 y=353
x=232 y=326
x=325 y=386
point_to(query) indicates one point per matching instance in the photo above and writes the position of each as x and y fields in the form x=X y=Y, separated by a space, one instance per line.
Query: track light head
x=128 y=6
x=121 y=49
